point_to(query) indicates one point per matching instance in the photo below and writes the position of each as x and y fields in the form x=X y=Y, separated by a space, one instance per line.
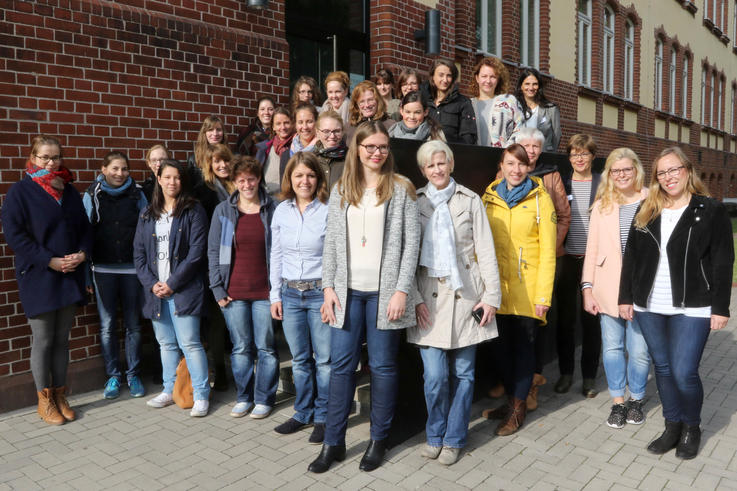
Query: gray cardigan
x=399 y=255
x=548 y=122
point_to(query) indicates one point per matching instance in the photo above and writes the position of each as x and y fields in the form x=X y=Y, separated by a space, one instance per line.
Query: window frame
x=584 y=24
x=629 y=59
x=684 y=86
x=672 y=80
x=659 y=74
x=607 y=62
x=482 y=24
x=525 y=34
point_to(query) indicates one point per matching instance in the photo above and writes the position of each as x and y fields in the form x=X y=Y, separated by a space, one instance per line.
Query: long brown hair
x=309 y=160
x=208 y=175
x=351 y=184
x=184 y=199
x=366 y=86
x=316 y=94
x=658 y=199
x=202 y=145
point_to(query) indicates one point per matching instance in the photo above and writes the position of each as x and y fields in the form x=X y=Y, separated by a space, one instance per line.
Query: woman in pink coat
x=617 y=201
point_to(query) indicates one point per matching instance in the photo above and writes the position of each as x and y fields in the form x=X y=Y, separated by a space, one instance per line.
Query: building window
x=672 y=81
x=731 y=104
x=684 y=87
x=734 y=26
x=489 y=26
x=711 y=99
x=629 y=58
x=530 y=33
x=719 y=105
x=659 y=75
x=607 y=61
x=703 y=96
x=584 y=42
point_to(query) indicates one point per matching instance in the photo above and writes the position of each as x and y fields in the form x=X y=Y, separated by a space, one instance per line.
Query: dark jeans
x=543 y=333
x=345 y=349
x=569 y=304
x=517 y=353
x=676 y=343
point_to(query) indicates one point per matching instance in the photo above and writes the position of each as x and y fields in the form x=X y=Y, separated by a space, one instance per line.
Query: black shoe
x=688 y=446
x=588 y=389
x=617 y=417
x=374 y=455
x=668 y=440
x=635 y=416
x=318 y=434
x=328 y=455
x=563 y=384
x=289 y=426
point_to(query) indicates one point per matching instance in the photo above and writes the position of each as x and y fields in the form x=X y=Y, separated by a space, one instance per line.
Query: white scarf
x=438 y=253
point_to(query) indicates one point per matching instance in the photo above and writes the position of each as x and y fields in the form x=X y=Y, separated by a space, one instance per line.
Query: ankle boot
x=668 y=440
x=688 y=445
x=62 y=404
x=499 y=412
x=328 y=455
x=537 y=381
x=514 y=419
x=374 y=455
x=47 y=408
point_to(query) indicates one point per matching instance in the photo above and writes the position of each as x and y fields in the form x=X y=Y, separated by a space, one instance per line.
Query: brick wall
x=102 y=76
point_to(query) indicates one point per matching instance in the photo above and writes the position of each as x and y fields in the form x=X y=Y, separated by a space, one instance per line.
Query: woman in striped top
x=617 y=199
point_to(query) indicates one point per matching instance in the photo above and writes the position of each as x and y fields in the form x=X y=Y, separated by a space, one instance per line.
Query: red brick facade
x=105 y=75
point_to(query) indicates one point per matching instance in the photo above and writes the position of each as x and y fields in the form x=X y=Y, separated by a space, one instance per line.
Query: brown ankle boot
x=537 y=381
x=62 y=404
x=500 y=412
x=515 y=418
x=47 y=408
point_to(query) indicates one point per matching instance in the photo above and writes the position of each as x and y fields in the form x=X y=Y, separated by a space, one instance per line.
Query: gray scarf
x=400 y=130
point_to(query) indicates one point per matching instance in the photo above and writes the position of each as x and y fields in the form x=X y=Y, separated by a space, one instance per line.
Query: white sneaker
x=260 y=411
x=161 y=400
x=241 y=409
x=200 y=408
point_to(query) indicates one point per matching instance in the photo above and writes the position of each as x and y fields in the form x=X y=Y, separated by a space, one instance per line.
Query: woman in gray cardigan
x=369 y=260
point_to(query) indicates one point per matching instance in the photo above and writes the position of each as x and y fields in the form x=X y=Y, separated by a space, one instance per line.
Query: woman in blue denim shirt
x=297 y=237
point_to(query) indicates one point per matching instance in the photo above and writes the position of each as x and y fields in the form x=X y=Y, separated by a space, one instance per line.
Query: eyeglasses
x=367 y=103
x=327 y=133
x=371 y=149
x=46 y=159
x=672 y=172
x=576 y=156
x=157 y=161
x=627 y=171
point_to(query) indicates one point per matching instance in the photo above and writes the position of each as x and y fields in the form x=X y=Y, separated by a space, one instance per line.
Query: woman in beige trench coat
x=455 y=227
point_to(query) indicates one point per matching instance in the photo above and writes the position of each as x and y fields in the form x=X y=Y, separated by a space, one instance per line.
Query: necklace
x=363 y=237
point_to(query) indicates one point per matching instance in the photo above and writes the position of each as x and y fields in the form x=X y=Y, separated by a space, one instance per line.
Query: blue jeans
x=174 y=332
x=345 y=350
x=306 y=333
x=250 y=327
x=109 y=287
x=449 y=376
x=676 y=343
x=621 y=371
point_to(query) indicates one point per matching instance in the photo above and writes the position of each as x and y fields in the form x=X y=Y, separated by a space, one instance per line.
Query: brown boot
x=537 y=381
x=515 y=418
x=47 y=408
x=500 y=412
x=63 y=405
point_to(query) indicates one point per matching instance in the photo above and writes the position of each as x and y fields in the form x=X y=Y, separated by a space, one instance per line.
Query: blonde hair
x=201 y=146
x=157 y=147
x=330 y=114
x=43 y=140
x=658 y=199
x=366 y=86
x=430 y=148
x=208 y=175
x=351 y=184
x=607 y=193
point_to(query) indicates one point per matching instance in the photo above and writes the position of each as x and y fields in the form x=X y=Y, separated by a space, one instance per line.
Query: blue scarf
x=513 y=196
x=111 y=190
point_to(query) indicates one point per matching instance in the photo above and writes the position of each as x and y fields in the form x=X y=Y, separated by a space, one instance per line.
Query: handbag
x=183 y=394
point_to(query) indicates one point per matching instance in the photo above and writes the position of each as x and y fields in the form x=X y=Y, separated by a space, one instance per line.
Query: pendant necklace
x=363 y=237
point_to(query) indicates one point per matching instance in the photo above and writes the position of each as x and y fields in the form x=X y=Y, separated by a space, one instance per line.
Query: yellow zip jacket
x=524 y=239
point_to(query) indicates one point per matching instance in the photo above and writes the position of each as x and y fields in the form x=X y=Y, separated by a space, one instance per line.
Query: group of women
x=317 y=231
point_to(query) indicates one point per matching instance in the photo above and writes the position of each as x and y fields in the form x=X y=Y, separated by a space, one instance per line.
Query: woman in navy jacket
x=169 y=255
x=45 y=224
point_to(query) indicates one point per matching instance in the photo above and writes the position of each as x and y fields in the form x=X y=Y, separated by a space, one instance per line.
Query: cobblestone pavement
x=124 y=444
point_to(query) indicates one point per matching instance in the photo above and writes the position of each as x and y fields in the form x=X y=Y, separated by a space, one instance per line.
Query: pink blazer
x=603 y=263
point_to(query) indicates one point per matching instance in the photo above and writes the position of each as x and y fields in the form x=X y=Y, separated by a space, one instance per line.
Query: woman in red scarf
x=46 y=226
x=274 y=154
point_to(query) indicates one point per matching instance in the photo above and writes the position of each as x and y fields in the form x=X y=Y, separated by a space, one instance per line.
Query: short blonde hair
x=430 y=148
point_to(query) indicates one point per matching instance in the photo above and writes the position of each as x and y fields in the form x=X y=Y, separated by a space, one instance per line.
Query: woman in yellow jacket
x=523 y=223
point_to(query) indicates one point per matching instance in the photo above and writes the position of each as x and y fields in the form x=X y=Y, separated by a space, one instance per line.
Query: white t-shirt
x=163 y=227
x=365 y=242
x=661 y=296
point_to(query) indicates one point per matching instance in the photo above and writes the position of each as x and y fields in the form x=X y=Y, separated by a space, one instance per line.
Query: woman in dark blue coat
x=45 y=224
x=169 y=254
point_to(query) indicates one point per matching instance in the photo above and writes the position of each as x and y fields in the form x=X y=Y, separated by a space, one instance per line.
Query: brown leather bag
x=183 y=394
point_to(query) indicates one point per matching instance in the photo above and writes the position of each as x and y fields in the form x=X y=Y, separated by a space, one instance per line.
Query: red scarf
x=279 y=145
x=52 y=182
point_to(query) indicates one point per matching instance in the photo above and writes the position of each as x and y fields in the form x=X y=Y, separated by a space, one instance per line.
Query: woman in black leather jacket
x=451 y=109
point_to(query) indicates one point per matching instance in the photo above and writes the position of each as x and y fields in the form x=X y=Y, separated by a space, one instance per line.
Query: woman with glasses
x=677 y=282
x=451 y=109
x=409 y=80
x=45 y=225
x=330 y=148
x=154 y=157
x=369 y=260
x=581 y=188
x=367 y=104
x=306 y=90
x=617 y=200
